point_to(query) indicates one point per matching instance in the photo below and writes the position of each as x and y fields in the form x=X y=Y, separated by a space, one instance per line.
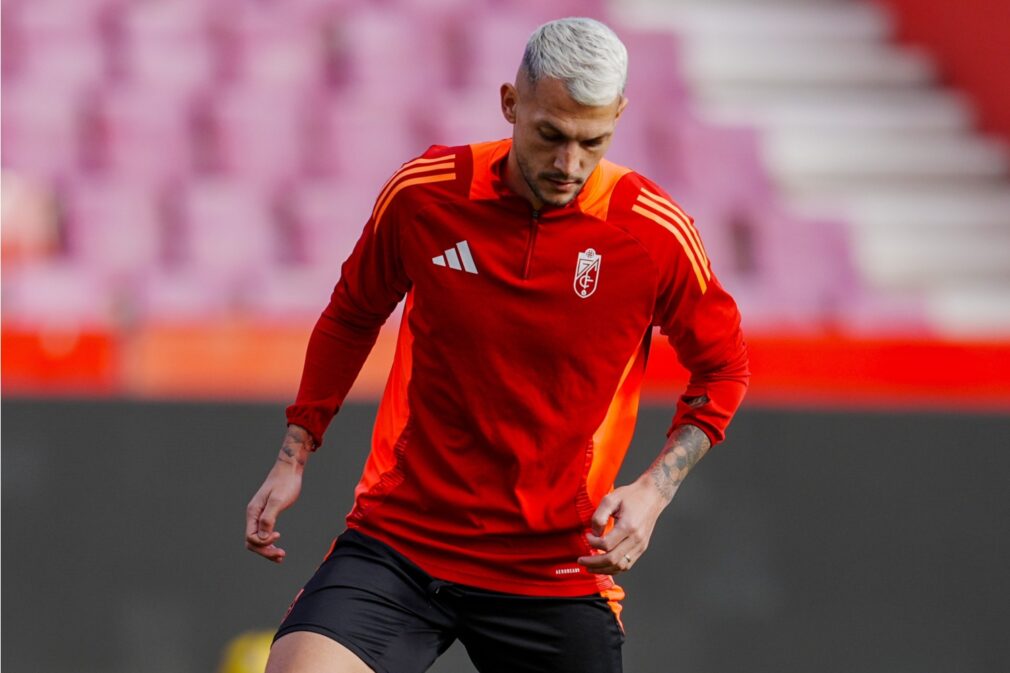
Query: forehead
x=549 y=103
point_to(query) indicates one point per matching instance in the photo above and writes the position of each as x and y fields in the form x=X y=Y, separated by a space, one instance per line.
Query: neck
x=517 y=183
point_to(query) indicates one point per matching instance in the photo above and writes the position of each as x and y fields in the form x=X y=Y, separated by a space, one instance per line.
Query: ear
x=509 y=101
x=620 y=107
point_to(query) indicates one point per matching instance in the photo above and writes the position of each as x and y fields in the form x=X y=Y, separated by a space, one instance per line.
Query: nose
x=567 y=159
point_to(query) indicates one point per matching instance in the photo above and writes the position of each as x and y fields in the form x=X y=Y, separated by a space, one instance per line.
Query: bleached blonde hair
x=586 y=55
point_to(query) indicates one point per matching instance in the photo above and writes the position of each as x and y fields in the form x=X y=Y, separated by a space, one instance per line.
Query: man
x=533 y=272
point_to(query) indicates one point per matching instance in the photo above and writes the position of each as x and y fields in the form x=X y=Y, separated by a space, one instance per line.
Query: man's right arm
x=278 y=492
x=372 y=283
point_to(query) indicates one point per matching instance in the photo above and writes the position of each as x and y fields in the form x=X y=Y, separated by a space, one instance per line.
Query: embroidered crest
x=587 y=273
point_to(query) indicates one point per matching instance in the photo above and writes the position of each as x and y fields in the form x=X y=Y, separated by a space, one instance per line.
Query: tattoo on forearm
x=294 y=456
x=686 y=447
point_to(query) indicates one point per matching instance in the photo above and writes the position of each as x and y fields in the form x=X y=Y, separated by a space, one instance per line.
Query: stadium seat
x=143 y=133
x=167 y=44
x=59 y=294
x=113 y=227
x=226 y=228
x=327 y=217
x=40 y=128
x=254 y=133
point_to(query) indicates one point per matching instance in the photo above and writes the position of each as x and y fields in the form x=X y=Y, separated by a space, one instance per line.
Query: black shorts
x=398 y=619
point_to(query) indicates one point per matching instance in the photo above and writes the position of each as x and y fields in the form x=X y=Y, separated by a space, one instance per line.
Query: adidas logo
x=461 y=261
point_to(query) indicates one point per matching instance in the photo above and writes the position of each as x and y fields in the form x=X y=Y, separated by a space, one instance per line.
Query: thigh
x=374 y=603
x=307 y=652
x=554 y=635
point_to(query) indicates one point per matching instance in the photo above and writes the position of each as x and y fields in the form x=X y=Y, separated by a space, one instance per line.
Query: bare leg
x=307 y=652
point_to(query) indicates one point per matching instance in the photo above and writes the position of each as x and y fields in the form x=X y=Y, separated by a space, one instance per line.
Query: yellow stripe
x=691 y=230
x=410 y=183
x=404 y=172
x=680 y=237
x=696 y=246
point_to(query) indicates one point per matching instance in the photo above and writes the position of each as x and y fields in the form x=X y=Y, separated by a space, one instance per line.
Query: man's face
x=556 y=142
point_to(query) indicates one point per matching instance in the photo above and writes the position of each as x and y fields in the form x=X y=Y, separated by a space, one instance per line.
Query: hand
x=279 y=491
x=635 y=509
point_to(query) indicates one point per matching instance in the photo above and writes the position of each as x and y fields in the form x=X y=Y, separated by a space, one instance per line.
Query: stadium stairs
x=853 y=126
x=181 y=179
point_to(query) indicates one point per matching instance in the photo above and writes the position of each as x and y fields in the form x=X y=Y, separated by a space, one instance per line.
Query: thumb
x=267 y=518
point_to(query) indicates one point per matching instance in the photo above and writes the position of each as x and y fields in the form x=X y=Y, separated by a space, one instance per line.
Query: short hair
x=584 y=54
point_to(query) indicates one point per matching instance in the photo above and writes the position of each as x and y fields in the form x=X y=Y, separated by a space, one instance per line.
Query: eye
x=550 y=136
x=592 y=143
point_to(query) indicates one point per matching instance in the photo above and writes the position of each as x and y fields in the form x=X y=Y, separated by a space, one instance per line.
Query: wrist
x=659 y=491
x=295 y=448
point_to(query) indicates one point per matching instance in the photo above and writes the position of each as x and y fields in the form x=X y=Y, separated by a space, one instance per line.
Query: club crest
x=587 y=273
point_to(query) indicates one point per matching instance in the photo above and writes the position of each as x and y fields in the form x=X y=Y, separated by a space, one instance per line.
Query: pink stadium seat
x=290 y=292
x=378 y=42
x=719 y=161
x=114 y=227
x=143 y=133
x=468 y=117
x=57 y=294
x=271 y=44
x=56 y=41
x=256 y=133
x=185 y=295
x=227 y=228
x=327 y=219
x=364 y=141
x=167 y=44
x=40 y=128
x=655 y=79
x=493 y=43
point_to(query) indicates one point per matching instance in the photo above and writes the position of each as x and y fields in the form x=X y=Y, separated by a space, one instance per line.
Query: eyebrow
x=546 y=126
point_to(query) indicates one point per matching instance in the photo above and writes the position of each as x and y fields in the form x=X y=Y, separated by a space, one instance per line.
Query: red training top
x=514 y=389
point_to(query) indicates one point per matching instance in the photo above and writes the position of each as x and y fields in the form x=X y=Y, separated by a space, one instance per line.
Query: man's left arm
x=702 y=322
x=636 y=507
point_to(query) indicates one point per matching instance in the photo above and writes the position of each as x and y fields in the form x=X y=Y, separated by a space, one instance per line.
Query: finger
x=268 y=517
x=269 y=552
x=257 y=541
x=608 y=506
x=252 y=513
x=613 y=562
x=610 y=541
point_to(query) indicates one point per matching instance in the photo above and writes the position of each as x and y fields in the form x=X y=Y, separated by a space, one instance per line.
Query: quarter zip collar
x=498 y=187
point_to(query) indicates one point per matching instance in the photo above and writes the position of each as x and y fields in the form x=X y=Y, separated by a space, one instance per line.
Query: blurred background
x=181 y=180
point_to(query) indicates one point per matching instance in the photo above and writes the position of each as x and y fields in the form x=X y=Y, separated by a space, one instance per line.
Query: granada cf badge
x=587 y=273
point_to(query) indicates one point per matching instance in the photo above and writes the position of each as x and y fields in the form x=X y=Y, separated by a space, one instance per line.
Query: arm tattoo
x=686 y=447
x=293 y=456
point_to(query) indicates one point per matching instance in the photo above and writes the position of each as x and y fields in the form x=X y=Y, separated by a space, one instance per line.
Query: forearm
x=336 y=352
x=686 y=445
x=295 y=448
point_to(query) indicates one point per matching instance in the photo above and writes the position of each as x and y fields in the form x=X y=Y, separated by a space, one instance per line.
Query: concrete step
x=828 y=19
x=980 y=310
x=928 y=240
x=881 y=154
x=927 y=110
x=715 y=64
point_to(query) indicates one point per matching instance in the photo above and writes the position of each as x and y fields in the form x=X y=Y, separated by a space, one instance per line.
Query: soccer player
x=534 y=271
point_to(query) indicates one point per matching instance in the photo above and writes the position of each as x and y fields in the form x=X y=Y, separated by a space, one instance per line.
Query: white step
x=893 y=260
x=769 y=19
x=909 y=239
x=929 y=240
x=714 y=64
x=972 y=310
x=934 y=111
x=909 y=155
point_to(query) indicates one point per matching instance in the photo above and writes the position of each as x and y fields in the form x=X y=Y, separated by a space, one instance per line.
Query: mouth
x=563 y=184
